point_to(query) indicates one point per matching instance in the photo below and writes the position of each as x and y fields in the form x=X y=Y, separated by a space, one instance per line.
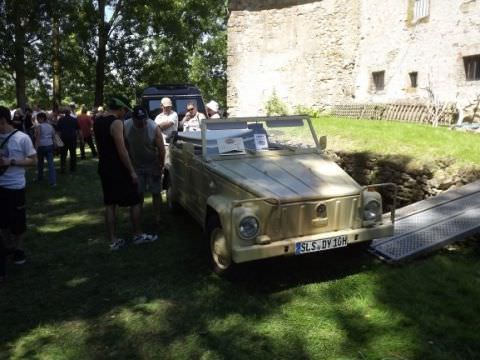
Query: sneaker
x=19 y=257
x=144 y=238
x=117 y=245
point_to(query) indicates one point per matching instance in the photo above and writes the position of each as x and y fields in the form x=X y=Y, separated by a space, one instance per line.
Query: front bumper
x=242 y=254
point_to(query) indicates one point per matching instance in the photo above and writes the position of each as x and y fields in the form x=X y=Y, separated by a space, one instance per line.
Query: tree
x=19 y=30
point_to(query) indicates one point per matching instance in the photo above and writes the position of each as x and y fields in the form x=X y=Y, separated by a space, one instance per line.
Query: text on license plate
x=305 y=247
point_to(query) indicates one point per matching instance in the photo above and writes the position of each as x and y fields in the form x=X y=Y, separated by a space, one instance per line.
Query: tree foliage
x=107 y=46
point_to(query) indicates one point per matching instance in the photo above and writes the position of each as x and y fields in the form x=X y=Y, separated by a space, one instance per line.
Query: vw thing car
x=263 y=187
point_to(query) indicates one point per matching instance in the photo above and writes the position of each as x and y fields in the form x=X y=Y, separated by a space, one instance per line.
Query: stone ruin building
x=321 y=53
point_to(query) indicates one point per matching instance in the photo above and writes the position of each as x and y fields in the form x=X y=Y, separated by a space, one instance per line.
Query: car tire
x=219 y=254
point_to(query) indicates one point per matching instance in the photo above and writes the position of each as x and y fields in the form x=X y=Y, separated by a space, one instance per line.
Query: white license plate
x=305 y=247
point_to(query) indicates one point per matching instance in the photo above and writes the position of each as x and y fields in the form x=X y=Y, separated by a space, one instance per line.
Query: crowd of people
x=131 y=156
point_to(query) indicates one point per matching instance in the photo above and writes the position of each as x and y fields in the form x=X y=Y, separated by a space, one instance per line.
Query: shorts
x=149 y=182
x=119 y=189
x=12 y=210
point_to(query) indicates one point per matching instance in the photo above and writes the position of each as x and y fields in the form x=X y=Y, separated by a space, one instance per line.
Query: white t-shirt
x=18 y=147
x=172 y=118
x=194 y=123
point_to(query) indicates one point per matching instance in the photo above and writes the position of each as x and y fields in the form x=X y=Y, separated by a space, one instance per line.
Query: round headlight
x=248 y=227
x=371 y=210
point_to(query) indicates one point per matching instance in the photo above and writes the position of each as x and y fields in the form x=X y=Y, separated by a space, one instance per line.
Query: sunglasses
x=190 y=109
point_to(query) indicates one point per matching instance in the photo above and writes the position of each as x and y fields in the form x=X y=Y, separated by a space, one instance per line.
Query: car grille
x=299 y=219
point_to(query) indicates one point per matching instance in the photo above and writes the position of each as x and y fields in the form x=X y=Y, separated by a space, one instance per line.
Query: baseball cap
x=139 y=113
x=117 y=102
x=166 y=101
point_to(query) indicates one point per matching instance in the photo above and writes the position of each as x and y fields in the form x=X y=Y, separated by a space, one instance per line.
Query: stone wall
x=414 y=183
x=324 y=52
x=433 y=47
x=304 y=53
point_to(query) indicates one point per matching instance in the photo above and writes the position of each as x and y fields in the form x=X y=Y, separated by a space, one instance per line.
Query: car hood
x=289 y=178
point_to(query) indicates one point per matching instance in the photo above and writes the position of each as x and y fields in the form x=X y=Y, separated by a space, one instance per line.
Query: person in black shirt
x=69 y=132
x=118 y=177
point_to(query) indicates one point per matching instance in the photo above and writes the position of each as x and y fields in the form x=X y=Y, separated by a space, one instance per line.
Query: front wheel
x=220 y=255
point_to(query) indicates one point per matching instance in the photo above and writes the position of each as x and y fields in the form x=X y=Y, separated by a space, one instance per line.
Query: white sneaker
x=117 y=245
x=144 y=238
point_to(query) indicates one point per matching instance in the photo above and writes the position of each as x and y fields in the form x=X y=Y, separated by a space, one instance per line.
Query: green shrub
x=275 y=106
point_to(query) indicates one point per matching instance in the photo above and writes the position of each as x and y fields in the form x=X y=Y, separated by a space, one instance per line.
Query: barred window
x=379 y=80
x=421 y=9
x=472 y=67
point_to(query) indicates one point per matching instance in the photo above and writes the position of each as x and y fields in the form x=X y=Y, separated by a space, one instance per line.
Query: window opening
x=379 y=80
x=472 y=67
x=413 y=79
x=421 y=9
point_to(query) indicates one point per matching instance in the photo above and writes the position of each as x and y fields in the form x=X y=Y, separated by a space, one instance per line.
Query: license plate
x=305 y=247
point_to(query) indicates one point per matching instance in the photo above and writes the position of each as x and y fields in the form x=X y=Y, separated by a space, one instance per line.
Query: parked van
x=180 y=94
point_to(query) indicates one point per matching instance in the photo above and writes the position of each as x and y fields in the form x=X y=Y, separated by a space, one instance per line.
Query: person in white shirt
x=212 y=110
x=192 y=119
x=16 y=153
x=167 y=120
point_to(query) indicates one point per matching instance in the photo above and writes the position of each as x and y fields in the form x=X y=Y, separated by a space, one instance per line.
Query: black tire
x=219 y=254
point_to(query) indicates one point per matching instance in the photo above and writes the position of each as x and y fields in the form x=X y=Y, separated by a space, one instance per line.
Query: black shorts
x=12 y=210
x=118 y=189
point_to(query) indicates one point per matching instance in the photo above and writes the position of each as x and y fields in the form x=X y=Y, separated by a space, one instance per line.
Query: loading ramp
x=432 y=224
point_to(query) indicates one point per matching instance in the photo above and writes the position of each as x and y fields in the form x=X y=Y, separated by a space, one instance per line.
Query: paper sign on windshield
x=261 y=142
x=231 y=145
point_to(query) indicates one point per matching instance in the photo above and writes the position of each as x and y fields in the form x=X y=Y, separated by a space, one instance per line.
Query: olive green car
x=258 y=194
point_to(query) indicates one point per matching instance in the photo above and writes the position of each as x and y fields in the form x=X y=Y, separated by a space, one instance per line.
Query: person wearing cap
x=167 y=120
x=192 y=119
x=147 y=152
x=212 y=110
x=117 y=174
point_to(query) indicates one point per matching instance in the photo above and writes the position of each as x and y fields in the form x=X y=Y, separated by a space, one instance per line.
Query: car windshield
x=253 y=135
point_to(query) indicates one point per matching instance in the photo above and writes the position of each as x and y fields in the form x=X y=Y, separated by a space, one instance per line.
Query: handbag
x=57 y=141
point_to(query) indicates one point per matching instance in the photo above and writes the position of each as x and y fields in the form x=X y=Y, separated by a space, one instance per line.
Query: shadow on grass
x=75 y=299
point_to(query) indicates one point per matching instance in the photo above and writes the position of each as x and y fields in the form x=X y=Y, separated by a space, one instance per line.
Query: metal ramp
x=431 y=224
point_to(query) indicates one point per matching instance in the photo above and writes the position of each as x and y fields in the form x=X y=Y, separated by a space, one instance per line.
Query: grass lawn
x=422 y=143
x=76 y=300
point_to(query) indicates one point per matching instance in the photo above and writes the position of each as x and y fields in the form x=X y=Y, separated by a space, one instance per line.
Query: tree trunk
x=56 y=64
x=19 y=65
x=101 y=54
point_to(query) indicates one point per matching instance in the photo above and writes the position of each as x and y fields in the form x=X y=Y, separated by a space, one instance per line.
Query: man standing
x=69 y=131
x=16 y=153
x=167 y=119
x=147 y=152
x=85 y=123
x=118 y=177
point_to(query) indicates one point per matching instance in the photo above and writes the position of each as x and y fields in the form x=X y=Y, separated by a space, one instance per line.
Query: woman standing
x=44 y=134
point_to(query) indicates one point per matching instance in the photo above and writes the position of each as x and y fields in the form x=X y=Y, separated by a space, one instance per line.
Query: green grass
x=420 y=142
x=76 y=300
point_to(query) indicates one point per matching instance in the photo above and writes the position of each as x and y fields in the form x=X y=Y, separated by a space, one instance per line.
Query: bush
x=275 y=106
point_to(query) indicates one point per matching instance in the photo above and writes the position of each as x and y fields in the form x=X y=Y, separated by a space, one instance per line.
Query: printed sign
x=231 y=145
x=261 y=142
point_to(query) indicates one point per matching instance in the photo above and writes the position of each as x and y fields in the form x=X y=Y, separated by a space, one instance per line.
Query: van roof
x=171 y=89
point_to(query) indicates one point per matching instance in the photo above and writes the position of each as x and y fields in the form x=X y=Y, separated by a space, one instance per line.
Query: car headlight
x=372 y=210
x=248 y=227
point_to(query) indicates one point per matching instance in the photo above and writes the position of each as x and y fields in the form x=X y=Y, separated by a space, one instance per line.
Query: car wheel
x=220 y=256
